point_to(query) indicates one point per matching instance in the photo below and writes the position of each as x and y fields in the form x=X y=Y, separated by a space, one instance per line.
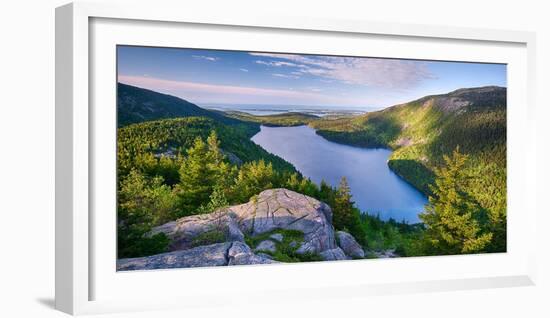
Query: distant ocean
x=281 y=109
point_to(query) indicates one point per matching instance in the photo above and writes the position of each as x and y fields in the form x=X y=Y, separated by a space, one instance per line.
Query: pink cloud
x=157 y=83
x=213 y=93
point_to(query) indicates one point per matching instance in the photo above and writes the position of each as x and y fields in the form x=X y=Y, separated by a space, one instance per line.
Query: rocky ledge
x=275 y=220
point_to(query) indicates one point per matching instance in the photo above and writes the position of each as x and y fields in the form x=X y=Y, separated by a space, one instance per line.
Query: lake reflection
x=375 y=188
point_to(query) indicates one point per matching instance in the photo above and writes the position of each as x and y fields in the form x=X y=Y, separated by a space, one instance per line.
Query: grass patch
x=209 y=237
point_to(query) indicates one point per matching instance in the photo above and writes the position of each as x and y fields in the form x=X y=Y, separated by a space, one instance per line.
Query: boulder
x=284 y=209
x=277 y=237
x=184 y=231
x=264 y=255
x=335 y=254
x=270 y=210
x=266 y=246
x=349 y=245
x=208 y=255
x=240 y=254
x=220 y=254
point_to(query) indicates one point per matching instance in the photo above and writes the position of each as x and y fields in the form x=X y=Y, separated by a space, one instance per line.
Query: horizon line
x=315 y=105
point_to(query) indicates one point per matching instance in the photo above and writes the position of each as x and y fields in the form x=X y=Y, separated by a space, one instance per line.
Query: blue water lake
x=375 y=188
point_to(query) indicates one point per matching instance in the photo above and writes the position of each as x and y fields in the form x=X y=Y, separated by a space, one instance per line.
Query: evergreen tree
x=196 y=182
x=346 y=216
x=253 y=178
x=221 y=172
x=342 y=206
x=450 y=216
x=215 y=155
x=293 y=182
x=308 y=188
x=143 y=203
x=326 y=193
x=217 y=201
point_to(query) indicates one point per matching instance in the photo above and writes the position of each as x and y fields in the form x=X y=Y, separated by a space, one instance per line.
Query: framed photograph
x=264 y=156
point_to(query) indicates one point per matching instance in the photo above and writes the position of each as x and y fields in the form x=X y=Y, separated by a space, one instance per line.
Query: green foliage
x=375 y=129
x=212 y=236
x=217 y=201
x=253 y=178
x=143 y=203
x=134 y=246
x=201 y=172
x=452 y=216
x=196 y=182
x=346 y=216
x=155 y=147
x=302 y=185
x=401 y=237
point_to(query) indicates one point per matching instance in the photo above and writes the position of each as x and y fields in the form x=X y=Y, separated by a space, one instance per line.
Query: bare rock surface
x=208 y=255
x=266 y=246
x=274 y=209
x=349 y=245
x=277 y=237
x=183 y=232
x=240 y=254
x=271 y=209
x=284 y=209
x=451 y=104
x=335 y=254
x=220 y=254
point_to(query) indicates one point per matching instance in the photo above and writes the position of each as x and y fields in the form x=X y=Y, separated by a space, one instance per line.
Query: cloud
x=377 y=72
x=244 y=70
x=157 y=83
x=214 y=93
x=208 y=58
x=285 y=75
x=315 y=89
x=279 y=64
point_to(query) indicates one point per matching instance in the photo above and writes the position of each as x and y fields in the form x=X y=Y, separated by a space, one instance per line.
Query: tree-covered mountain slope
x=141 y=145
x=135 y=105
x=422 y=131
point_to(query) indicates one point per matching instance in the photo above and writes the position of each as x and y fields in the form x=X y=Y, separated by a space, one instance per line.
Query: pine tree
x=253 y=178
x=450 y=216
x=222 y=174
x=326 y=193
x=345 y=216
x=217 y=201
x=342 y=206
x=293 y=182
x=214 y=152
x=196 y=183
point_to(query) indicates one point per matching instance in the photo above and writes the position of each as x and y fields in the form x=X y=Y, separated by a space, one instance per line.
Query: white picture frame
x=78 y=70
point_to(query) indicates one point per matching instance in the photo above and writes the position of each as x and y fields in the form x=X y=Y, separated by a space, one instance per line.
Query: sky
x=207 y=77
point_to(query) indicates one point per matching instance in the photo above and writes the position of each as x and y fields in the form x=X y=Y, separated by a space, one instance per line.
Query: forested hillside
x=135 y=105
x=421 y=132
x=153 y=147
